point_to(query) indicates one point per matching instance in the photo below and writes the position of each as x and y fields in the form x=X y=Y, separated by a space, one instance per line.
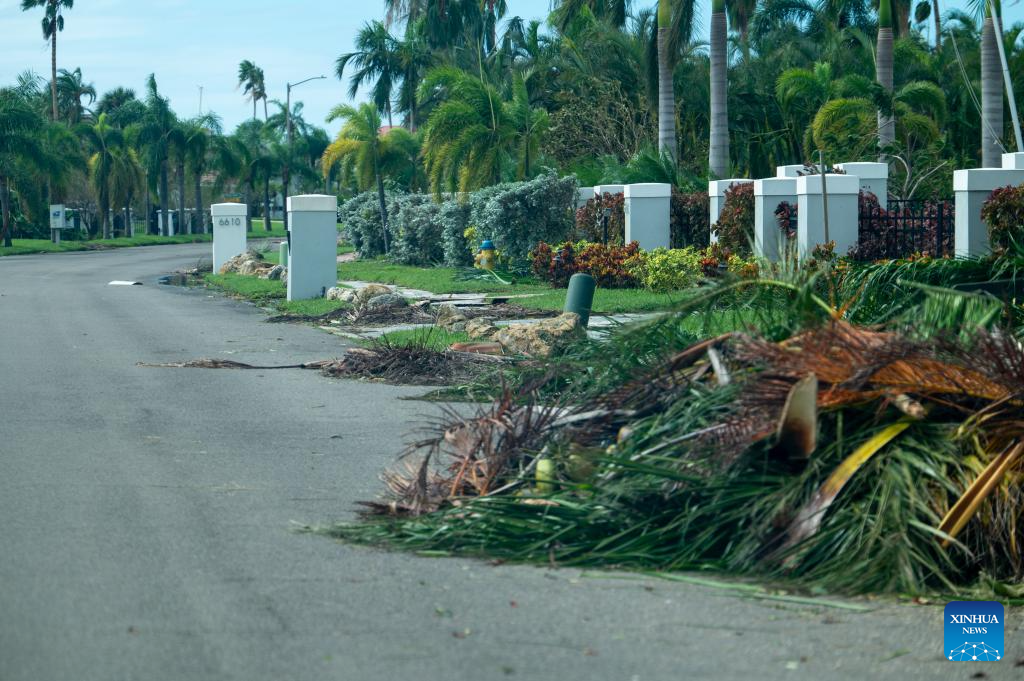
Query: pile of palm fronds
x=862 y=458
x=412 y=364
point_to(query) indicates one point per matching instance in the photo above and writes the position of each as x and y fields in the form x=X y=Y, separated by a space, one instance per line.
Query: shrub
x=691 y=219
x=735 y=226
x=415 y=230
x=786 y=217
x=671 y=269
x=516 y=216
x=360 y=217
x=611 y=266
x=590 y=219
x=453 y=217
x=1003 y=212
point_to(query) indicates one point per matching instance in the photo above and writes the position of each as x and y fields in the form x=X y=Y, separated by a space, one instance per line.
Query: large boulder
x=450 y=319
x=371 y=291
x=386 y=301
x=540 y=339
x=480 y=328
x=345 y=295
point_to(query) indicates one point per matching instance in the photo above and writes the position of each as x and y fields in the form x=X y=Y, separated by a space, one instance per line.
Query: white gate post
x=716 y=199
x=648 y=212
x=971 y=188
x=228 y=232
x=313 y=245
x=843 y=212
x=768 y=194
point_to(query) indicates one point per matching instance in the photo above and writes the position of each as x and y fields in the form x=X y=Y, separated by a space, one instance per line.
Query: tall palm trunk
x=938 y=26
x=165 y=199
x=883 y=72
x=718 y=155
x=105 y=215
x=53 y=66
x=200 y=214
x=182 y=222
x=666 y=95
x=149 y=207
x=381 y=200
x=266 y=204
x=5 y=209
x=991 y=97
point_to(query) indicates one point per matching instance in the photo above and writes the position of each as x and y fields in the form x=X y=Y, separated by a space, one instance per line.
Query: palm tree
x=884 y=71
x=473 y=133
x=121 y=106
x=126 y=176
x=718 y=155
x=201 y=139
x=666 y=94
x=252 y=79
x=376 y=59
x=615 y=12
x=157 y=132
x=71 y=90
x=53 y=23
x=991 y=92
x=414 y=59
x=19 y=144
x=105 y=141
x=360 y=140
x=530 y=125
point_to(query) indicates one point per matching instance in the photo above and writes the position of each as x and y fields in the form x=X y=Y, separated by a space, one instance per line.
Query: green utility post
x=580 y=296
x=282 y=254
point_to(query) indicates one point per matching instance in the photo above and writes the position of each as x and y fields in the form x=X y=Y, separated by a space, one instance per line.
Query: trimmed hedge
x=515 y=216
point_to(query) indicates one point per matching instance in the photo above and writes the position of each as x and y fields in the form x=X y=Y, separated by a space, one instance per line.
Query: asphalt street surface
x=148 y=515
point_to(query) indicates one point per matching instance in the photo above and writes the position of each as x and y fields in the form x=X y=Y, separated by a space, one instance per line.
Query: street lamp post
x=288 y=134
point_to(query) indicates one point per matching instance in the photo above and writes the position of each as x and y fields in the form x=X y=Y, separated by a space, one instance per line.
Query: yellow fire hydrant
x=486 y=257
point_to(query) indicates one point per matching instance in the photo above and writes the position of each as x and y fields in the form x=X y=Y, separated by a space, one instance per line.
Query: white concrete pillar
x=228 y=232
x=843 y=212
x=716 y=199
x=313 y=251
x=612 y=189
x=648 y=209
x=584 y=195
x=971 y=189
x=874 y=178
x=795 y=170
x=1013 y=161
x=768 y=194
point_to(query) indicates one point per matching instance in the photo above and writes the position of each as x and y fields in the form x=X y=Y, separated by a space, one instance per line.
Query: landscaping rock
x=386 y=301
x=345 y=295
x=540 y=339
x=481 y=327
x=371 y=291
x=274 y=273
x=450 y=319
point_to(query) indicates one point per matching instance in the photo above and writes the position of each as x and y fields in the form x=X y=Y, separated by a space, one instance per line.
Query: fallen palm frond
x=413 y=364
x=677 y=468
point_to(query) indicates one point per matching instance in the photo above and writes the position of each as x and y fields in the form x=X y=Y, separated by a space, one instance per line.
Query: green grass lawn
x=433 y=279
x=267 y=292
x=432 y=337
x=29 y=246
x=251 y=288
x=33 y=246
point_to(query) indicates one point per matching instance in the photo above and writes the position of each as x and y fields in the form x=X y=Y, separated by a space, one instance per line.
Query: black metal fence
x=905 y=228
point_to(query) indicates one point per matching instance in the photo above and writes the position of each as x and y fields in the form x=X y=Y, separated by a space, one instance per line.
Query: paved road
x=146 y=524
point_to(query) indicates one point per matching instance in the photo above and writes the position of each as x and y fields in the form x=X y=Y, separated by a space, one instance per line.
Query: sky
x=190 y=44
